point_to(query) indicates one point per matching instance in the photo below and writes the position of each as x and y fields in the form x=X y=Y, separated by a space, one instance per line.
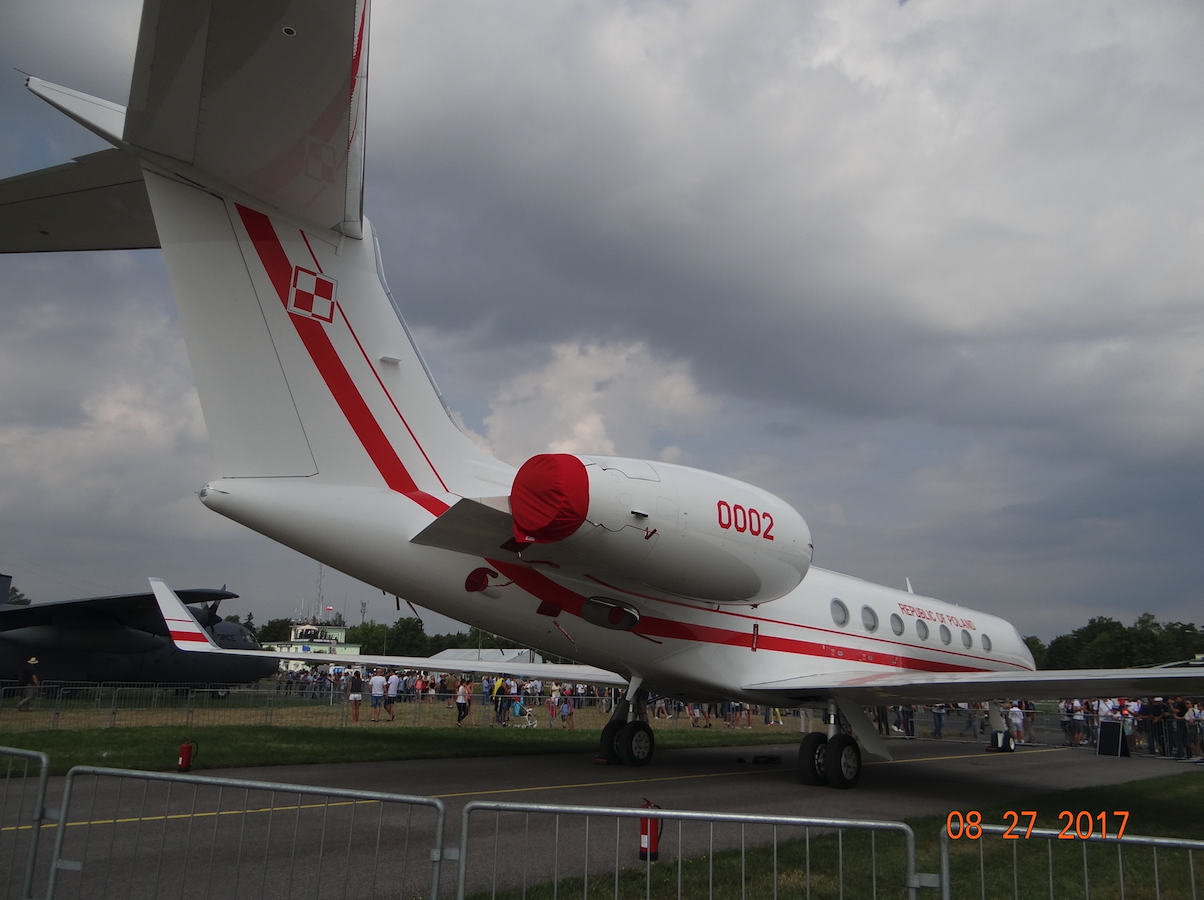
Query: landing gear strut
x=627 y=737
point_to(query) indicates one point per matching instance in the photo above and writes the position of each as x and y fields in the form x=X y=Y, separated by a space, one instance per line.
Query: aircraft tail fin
x=185 y=632
x=303 y=364
x=268 y=97
x=246 y=123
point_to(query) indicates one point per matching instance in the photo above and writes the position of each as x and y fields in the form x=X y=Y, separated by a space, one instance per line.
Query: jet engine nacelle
x=679 y=530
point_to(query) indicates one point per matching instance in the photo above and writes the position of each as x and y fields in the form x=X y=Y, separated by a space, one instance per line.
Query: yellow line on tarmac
x=197 y=815
x=589 y=784
x=266 y=809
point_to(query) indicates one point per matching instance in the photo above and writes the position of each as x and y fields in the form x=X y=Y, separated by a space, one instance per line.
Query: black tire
x=812 y=753
x=636 y=744
x=842 y=762
x=608 y=744
x=1009 y=743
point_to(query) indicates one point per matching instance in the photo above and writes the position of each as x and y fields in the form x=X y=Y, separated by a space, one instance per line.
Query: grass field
x=155 y=748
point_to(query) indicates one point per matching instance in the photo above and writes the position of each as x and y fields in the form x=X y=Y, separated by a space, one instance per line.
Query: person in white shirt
x=1016 y=722
x=377 y=685
x=392 y=686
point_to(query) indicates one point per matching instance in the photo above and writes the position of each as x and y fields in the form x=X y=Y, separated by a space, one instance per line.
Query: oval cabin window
x=896 y=623
x=840 y=612
x=946 y=634
x=986 y=643
x=869 y=619
x=967 y=641
x=922 y=629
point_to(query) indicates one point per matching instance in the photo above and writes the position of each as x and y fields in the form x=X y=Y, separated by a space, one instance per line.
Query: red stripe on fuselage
x=540 y=586
x=543 y=588
x=342 y=387
x=389 y=396
x=895 y=647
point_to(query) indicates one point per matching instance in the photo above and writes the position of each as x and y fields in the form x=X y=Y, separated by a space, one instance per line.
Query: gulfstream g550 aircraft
x=240 y=153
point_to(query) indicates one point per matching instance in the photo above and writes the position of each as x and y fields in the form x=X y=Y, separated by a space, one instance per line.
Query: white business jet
x=241 y=154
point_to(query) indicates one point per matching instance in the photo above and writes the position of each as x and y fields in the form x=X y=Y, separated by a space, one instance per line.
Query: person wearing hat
x=28 y=679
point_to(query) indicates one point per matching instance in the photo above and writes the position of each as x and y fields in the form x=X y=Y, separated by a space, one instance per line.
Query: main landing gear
x=627 y=738
x=833 y=758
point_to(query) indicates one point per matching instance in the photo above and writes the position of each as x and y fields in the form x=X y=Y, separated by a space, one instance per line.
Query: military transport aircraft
x=124 y=638
x=240 y=153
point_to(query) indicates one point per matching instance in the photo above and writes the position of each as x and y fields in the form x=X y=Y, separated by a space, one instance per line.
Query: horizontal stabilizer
x=468 y=527
x=97 y=202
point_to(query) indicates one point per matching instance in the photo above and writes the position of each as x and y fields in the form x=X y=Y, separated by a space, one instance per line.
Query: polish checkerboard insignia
x=312 y=295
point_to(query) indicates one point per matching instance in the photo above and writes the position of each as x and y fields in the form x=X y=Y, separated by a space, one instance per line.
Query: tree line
x=1106 y=643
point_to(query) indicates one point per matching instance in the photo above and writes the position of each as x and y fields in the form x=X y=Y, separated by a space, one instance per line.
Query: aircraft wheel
x=812 y=753
x=842 y=762
x=608 y=745
x=1009 y=743
x=636 y=744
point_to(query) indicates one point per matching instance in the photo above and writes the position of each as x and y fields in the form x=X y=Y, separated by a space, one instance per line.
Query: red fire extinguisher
x=187 y=751
x=650 y=834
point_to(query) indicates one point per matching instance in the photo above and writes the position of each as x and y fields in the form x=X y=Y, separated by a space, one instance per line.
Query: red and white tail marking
x=184 y=630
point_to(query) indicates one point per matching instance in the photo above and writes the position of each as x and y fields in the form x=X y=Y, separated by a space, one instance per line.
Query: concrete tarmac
x=926 y=776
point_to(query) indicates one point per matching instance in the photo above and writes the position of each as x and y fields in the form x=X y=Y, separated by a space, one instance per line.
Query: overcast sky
x=931 y=272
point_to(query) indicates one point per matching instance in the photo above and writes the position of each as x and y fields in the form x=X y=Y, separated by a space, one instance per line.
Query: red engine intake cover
x=549 y=499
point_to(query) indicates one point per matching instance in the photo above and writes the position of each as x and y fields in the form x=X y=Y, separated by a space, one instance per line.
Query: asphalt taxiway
x=925 y=777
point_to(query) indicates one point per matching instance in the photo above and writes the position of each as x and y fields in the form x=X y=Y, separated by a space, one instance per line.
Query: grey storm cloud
x=929 y=271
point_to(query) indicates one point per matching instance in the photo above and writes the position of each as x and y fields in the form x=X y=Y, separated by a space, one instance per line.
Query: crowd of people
x=504 y=696
x=1162 y=726
x=1170 y=726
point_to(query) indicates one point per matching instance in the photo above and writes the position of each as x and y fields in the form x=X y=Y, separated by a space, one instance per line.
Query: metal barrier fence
x=971 y=865
x=147 y=834
x=22 y=809
x=530 y=843
x=67 y=705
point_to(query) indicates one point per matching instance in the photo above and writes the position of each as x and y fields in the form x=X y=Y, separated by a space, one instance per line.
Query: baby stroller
x=521 y=716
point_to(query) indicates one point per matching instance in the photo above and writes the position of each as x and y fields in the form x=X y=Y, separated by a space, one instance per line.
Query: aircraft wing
x=874 y=688
x=190 y=637
x=96 y=202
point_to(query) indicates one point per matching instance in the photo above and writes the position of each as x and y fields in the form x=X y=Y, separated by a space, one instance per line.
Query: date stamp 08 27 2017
x=1077 y=826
